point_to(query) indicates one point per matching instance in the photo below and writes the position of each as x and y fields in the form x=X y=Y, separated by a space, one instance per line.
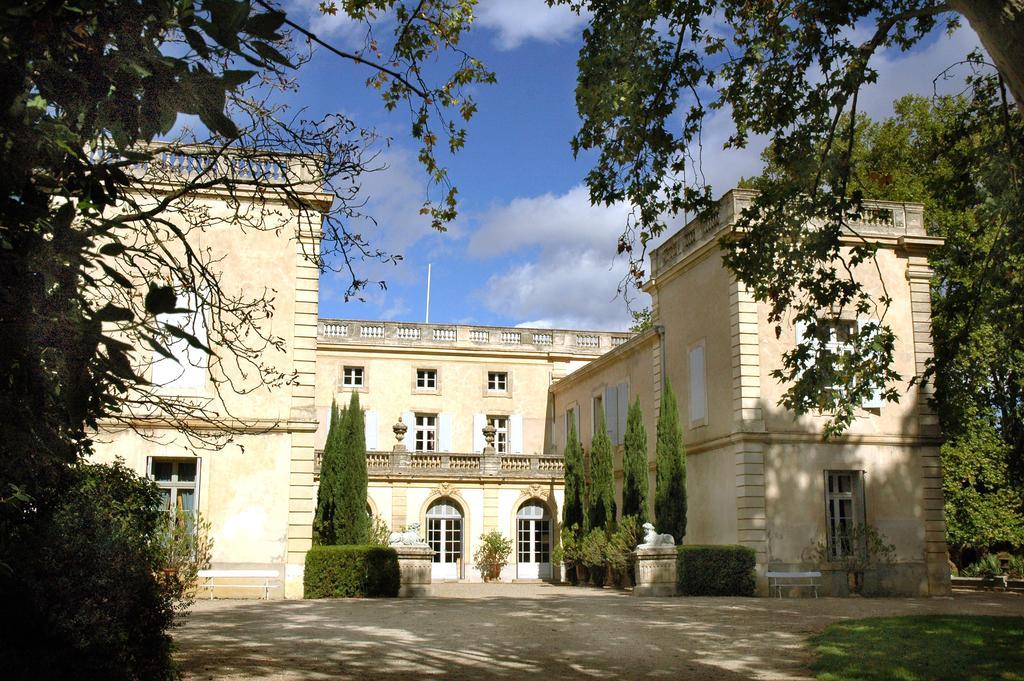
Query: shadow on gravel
x=593 y=634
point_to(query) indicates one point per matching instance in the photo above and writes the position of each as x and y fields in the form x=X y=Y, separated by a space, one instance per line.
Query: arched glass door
x=533 y=534
x=444 y=535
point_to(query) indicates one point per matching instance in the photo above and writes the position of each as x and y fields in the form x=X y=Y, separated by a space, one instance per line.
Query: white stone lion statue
x=411 y=536
x=652 y=539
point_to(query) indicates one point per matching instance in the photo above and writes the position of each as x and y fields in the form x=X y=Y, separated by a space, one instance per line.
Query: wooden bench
x=799 y=580
x=269 y=580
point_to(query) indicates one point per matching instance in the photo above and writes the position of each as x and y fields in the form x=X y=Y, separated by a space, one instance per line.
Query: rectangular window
x=570 y=421
x=426 y=433
x=352 y=377
x=500 y=424
x=844 y=508
x=497 y=381
x=698 y=386
x=178 y=480
x=426 y=379
x=187 y=367
x=595 y=414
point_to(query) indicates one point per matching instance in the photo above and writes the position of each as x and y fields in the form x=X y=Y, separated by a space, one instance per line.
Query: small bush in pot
x=621 y=544
x=492 y=554
x=594 y=555
x=568 y=553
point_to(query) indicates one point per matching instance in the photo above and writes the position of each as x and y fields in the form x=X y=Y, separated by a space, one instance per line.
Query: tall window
x=188 y=365
x=844 y=507
x=178 y=481
x=570 y=421
x=352 y=377
x=500 y=424
x=698 y=385
x=497 y=381
x=426 y=379
x=597 y=408
x=426 y=432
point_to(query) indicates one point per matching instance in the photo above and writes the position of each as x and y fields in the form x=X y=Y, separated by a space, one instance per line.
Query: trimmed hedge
x=351 y=570
x=725 y=570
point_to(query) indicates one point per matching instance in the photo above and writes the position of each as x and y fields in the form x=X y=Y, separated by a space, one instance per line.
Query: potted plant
x=861 y=548
x=185 y=549
x=492 y=555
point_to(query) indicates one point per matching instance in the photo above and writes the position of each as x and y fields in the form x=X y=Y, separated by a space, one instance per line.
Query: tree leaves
x=161 y=299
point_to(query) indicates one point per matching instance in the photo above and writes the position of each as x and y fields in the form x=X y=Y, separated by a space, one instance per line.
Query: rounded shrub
x=726 y=570
x=349 y=571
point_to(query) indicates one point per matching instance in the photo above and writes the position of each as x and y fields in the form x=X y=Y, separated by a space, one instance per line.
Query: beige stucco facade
x=756 y=474
x=450 y=381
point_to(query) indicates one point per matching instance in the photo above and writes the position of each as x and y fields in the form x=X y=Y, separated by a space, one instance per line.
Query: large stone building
x=756 y=475
x=446 y=383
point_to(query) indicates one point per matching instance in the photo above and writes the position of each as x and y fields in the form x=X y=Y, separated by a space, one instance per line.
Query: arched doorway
x=444 y=535
x=533 y=541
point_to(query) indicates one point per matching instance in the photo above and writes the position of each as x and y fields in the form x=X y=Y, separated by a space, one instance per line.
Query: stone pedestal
x=655 y=571
x=414 y=561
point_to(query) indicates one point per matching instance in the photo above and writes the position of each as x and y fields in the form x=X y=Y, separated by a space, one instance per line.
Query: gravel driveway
x=515 y=631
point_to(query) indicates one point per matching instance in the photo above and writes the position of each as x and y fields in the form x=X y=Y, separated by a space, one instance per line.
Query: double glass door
x=533 y=539
x=444 y=536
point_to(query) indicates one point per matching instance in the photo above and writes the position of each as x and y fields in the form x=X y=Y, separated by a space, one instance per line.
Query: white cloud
x=570 y=275
x=902 y=73
x=339 y=27
x=570 y=290
x=522 y=20
x=548 y=220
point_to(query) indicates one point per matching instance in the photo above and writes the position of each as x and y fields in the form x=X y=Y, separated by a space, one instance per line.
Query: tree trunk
x=1000 y=27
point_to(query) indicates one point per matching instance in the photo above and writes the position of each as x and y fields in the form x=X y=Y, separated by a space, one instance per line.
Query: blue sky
x=527 y=248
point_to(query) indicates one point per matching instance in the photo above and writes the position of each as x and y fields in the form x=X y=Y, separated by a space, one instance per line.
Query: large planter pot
x=855 y=582
x=493 y=573
x=581 y=574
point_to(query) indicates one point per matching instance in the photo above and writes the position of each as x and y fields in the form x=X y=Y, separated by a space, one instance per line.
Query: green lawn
x=923 y=648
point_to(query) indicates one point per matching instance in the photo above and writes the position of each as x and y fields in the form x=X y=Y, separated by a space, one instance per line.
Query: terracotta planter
x=581 y=574
x=855 y=582
x=493 y=573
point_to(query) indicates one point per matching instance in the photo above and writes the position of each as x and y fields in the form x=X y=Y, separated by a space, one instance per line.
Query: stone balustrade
x=356 y=332
x=174 y=163
x=458 y=465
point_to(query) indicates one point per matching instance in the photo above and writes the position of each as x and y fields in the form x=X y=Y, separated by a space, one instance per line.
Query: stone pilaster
x=748 y=417
x=919 y=276
x=302 y=416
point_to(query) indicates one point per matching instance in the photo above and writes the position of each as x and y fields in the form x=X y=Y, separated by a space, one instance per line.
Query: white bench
x=778 y=580
x=269 y=580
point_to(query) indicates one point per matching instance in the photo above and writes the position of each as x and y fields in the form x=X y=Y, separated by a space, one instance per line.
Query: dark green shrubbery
x=726 y=570
x=81 y=588
x=350 y=570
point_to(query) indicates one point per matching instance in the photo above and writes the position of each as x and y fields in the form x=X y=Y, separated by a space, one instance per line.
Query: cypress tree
x=573 y=509
x=351 y=523
x=634 y=466
x=602 y=479
x=330 y=464
x=670 y=490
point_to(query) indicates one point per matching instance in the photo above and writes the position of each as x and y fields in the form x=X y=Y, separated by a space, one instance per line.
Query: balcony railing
x=589 y=343
x=433 y=464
